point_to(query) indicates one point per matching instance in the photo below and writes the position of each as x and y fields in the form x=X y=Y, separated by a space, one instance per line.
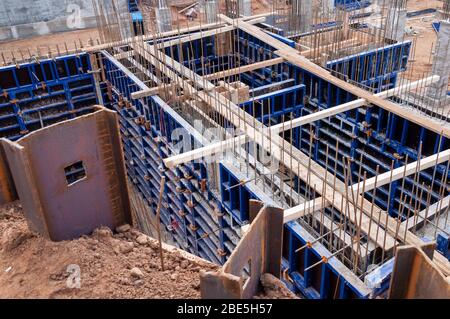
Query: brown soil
x=111 y=266
x=425 y=40
x=45 y=43
x=274 y=289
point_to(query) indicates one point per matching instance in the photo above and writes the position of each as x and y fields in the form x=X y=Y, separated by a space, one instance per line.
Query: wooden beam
x=204 y=34
x=303 y=209
x=148 y=92
x=428 y=213
x=346 y=43
x=243 y=69
x=205 y=151
x=292 y=56
x=399 y=173
x=162 y=35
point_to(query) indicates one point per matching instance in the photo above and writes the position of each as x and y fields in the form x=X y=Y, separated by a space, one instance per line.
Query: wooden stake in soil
x=158 y=219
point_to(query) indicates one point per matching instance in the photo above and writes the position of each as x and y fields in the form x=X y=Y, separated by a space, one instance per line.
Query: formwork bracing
x=318 y=119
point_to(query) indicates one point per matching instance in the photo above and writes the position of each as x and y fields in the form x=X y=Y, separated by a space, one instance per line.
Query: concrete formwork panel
x=70 y=176
x=258 y=252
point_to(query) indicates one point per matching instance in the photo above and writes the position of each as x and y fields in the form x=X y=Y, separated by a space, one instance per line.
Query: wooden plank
x=205 y=151
x=147 y=92
x=303 y=209
x=399 y=173
x=244 y=68
x=428 y=213
x=342 y=44
x=162 y=35
x=205 y=34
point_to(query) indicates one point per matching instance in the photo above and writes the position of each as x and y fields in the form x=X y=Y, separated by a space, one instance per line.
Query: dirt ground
x=123 y=265
x=424 y=41
x=60 y=42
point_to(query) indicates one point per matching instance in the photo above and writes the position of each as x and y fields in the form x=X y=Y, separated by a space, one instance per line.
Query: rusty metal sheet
x=415 y=276
x=8 y=191
x=40 y=161
x=259 y=251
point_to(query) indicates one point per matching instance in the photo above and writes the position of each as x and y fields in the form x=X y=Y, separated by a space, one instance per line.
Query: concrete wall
x=27 y=18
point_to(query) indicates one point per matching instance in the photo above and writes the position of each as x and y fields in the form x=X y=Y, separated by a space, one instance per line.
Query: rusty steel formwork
x=416 y=276
x=70 y=176
x=258 y=253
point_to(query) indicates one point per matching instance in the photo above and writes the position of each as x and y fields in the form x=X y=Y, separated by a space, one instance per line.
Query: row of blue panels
x=34 y=95
x=199 y=219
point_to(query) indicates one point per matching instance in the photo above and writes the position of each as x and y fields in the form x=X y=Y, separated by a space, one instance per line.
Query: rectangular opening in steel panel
x=75 y=173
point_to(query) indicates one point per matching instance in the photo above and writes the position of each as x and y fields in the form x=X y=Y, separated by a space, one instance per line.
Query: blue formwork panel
x=194 y=216
x=351 y=5
x=379 y=279
x=136 y=17
x=275 y=107
x=376 y=69
x=34 y=95
x=443 y=244
x=436 y=26
x=324 y=281
x=235 y=196
x=417 y=13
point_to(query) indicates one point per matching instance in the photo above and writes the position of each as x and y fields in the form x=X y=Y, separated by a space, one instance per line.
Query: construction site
x=225 y=149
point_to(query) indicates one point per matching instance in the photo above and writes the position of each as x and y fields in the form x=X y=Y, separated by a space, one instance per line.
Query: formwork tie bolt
x=190 y=204
x=398 y=156
x=193 y=228
x=218 y=212
x=221 y=252
x=146 y=177
x=203 y=183
x=182 y=213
